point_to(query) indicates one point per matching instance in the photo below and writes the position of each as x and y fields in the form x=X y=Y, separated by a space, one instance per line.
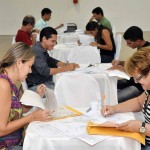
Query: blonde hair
x=139 y=62
x=17 y=51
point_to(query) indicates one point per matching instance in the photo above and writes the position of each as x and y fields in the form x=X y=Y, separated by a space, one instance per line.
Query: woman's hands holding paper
x=40 y=115
x=130 y=126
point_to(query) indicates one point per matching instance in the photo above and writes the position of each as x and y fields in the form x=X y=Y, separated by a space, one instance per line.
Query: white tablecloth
x=34 y=140
x=110 y=89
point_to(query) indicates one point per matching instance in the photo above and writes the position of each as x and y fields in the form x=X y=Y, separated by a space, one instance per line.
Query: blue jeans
x=49 y=84
x=18 y=147
x=145 y=147
x=106 y=59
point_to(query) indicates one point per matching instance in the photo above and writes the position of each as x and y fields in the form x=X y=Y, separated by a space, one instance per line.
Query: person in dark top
x=104 y=41
x=128 y=89
x=44 y=66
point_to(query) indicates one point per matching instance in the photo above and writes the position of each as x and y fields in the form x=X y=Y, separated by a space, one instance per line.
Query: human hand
x=61 y=25
x=107 y=110
x=92 y=18
x=119 y=67
x=75 y=65
x=35 y=31
x=93 y=44
x=41 y=115
x=115 y=62
x=130 y=126
x=41 y=90
x=70 y=67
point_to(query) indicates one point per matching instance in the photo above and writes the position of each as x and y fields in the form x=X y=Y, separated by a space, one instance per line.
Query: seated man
x=45 y=16
x=128 y=89
x=98 y=15
x=44 y=66
x=26 y=33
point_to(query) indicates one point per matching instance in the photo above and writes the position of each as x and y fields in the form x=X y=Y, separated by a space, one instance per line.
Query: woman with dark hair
x=104 y=41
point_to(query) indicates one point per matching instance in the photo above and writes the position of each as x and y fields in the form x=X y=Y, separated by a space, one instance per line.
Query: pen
x=88 y=109
x=90 y=65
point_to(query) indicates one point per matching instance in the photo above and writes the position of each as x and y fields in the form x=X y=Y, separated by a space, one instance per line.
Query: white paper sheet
x=31 y=98
x=86 y=39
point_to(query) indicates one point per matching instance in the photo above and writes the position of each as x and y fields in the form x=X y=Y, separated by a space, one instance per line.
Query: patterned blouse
x=12 y=139
x=146 y=111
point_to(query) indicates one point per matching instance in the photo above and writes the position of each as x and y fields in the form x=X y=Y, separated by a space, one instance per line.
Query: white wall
x=122 y=13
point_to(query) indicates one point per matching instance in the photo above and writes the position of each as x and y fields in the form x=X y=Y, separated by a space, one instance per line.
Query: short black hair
x=92 y=25
x=97 y=11
x=133 y=33
x=45 y=11
x=28 y=20
x=47 y=32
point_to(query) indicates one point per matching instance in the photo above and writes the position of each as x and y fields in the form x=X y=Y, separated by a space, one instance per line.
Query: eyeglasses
x=137 y=79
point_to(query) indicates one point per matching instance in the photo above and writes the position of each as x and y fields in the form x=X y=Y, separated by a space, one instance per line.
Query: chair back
x=104 y=83
x=114 y=31
x=13 y=40
x=84 y=55
x=77 y=90
x=118 y=42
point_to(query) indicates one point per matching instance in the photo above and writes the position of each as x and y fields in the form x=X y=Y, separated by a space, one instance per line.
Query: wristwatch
x=142 y=128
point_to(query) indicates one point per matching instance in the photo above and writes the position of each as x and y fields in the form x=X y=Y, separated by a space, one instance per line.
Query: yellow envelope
x=99 y=130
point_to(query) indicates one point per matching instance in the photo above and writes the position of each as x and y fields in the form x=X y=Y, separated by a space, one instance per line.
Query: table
x=61 y=51
x=67 y=38
x=107 y=81
x=34 y=140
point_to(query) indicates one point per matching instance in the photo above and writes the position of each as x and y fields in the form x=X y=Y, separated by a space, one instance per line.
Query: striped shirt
x=146 y=111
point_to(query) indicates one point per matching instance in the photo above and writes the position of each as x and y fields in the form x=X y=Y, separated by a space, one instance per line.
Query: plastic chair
x=114 y=31
x=104 y=83
x=118 y=42
x=77 y=90
x=13 y=40
x=84 y=55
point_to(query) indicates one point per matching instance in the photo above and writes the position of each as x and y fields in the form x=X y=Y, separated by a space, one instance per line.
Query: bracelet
x=98 y=46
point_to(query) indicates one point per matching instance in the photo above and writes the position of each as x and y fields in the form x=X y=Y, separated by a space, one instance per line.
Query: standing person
x=44 y=66
x=15 y=66
x=104 y=41
x=128 y=89
x=45 y=16
x=98 y=15
x=26 y=33
x=138 y=66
